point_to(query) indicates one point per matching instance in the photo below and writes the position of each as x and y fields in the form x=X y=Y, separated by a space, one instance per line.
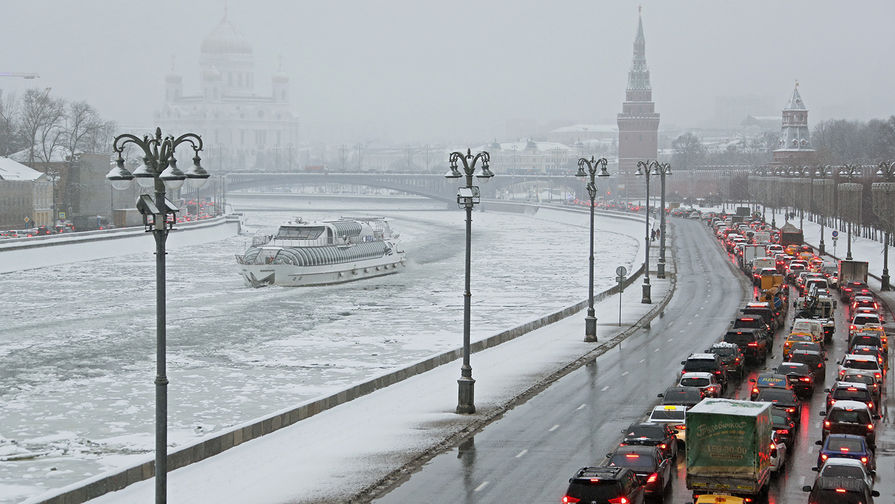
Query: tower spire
x=638 y=75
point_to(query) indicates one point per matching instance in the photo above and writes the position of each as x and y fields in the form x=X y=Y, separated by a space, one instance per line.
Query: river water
x=77 y=343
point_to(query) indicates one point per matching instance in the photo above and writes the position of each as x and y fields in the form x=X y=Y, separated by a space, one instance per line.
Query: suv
x=661 y=435
x=846 y=391
x=839 y=491
x=764 y=310
x=733 y=358
x=604 y=485
x=812 y=359
x=707 y=363
x=682 y=396
x=860 y=363
x=751 y=341
x=850 y=417
x=652 y=469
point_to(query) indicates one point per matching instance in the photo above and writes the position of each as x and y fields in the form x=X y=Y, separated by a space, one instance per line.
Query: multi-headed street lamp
x=467 y=197
x=647 y=168
x=587 y=170
x=159 y=172
x=820 y=183
x=849 y=172
x=884 y=208
x=664 y=169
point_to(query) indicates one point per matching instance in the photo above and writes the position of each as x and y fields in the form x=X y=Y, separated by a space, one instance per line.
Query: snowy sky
x=408 y=71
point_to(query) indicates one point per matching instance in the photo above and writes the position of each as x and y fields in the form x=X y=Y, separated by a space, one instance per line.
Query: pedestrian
x=658 y=233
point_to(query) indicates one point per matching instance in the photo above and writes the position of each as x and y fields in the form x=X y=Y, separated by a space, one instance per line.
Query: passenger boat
x=319 y=253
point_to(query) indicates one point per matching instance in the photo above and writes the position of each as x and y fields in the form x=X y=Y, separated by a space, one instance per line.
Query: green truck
x=729 y=448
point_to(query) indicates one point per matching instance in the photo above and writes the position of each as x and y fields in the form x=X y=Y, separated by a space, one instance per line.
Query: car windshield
x=851 y=394
x=805 y=358
x=741 y=338
x=779 y=419
x=792 y=368
x=867 y=340
x=866 y=319
x=635 y=461
x=845 y=444
x=668 y=414
x=845 y=471
x=846 y=416
x=649 y=431
x=860 y=364
x=859 y=378
x=695 y=382
x=775 y=394
x=725 y=351
x=700 y=365
x=595 y=489
x=771 y=381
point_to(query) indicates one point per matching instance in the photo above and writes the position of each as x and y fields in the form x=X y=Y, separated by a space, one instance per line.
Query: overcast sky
x=417 y=71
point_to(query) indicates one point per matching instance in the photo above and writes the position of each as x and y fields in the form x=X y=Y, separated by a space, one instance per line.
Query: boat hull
x=288 y=275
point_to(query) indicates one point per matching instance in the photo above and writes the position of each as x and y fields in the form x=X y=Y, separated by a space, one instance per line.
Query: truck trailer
x=729 y=448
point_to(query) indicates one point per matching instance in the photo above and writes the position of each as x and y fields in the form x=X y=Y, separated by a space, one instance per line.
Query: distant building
x=731 y=110
x=795 y=143
x=241 y=131
x=531 y=157
x=638 y=122
x=25 y=196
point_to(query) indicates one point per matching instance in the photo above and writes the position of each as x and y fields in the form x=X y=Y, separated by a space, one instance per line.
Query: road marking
x=480 y=487
x=551 y=429
x=657 y=350
x=625 y=373
x=523 y=452
x=604 y=389
x=801 y=480
x=641 y=361
x=581 y=407
x=670 y=340
x=690 y=323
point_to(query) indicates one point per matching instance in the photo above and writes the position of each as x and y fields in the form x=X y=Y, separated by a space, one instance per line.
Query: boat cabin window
x=300 y=233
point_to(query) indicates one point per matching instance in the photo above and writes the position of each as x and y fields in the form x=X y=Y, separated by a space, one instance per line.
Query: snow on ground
x=78 y=340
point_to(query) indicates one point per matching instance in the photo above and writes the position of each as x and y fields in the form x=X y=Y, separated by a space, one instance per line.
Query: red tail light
x=870 y=426
x=753 y=344
x=782 y=431
x=790 y=410
x=826 y=424
x=652 y=478
x=877 y=375
x=864 y=460
x=663 y=446
x=805 y=379
x=618 y=500
x=844 y=449
x=840 y=490
x=754 y=390
x=570 y=500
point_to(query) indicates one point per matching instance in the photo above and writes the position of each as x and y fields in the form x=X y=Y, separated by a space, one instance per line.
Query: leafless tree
x=9 y=107
x=41 y=116
x=82 y=128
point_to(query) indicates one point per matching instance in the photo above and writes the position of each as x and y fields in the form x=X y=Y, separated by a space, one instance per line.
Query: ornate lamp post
x=159 y=172
x=884 y=208
x=587 y=170
x=821 y=187
x=854 y=190
x=664 y=169
x=467 y=197
x=647 y=168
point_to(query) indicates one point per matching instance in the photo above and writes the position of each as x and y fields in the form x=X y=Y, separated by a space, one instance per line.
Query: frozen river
x=77 y=342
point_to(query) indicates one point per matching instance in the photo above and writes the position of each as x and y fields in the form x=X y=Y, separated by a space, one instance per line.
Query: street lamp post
x=821 y=173
x=664 y=169
x=159 y=172
x=467 y=197
x=884 y=207
x=647 y=168
x=587 y=169
x=849 y=172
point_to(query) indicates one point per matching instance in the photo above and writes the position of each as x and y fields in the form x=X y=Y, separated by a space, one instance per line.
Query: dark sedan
x=652 y=469
x=783 y=398
x=800 y=377
x=652 y=434
x=814 y=360
x=683 y=396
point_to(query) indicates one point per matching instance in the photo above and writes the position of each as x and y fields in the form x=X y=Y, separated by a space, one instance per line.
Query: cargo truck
x=852 y=271
x=729 y=448
x=790 y=235
x=750 y=253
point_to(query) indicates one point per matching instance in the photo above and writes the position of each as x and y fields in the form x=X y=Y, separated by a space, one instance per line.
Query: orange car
x=792 y=338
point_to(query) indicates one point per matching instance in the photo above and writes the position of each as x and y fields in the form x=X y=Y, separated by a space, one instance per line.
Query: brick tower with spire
x=795 y=143
x=638 y=122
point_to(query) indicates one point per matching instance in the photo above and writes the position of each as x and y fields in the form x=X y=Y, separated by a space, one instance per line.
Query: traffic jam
x=804 y=361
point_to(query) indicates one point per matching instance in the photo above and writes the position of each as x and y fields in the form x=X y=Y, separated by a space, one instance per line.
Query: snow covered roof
x=12 y=170
x=795 y=101
x=587 y=128
x=58 y=156
x=523 y=145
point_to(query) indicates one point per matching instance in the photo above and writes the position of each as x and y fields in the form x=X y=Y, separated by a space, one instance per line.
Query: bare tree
x=83 y=125
x=40 y=117
x=9 y=141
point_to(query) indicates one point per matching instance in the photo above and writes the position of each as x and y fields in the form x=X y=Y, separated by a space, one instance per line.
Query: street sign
x=62 y=215
x=835 y=234
x=620 y=278
x=835 y=238
x=27 y=220
x=621 y=271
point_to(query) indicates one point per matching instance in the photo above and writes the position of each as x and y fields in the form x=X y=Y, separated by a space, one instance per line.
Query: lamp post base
x=822 y=249
x=646 y=294
x=590 y=329
x=466 y=395
x=884 y=280
x=660 y=273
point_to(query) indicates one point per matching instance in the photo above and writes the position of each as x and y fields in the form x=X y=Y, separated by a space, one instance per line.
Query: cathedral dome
x=225 y=40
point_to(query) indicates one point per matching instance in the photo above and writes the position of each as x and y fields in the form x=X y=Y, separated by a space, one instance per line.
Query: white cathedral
x=241 y=131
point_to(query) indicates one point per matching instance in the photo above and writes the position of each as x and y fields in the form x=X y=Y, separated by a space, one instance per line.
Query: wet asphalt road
x=529 y=454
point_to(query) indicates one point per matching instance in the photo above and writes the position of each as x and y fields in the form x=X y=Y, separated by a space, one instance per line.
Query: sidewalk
x=354 y=447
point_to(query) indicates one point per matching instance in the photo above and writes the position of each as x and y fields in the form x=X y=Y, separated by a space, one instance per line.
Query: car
x=674 y=416
x=800 y=376
x=779 y=450
x=706 y=382
x=682 y=396
x=652 y=469
x=731 y=356
x=868 y=338
x=846 y=289
x=871 y=381
x=840 y=491
x=768 y=380
x=873 y=351
x=783 y=398
x=783 y=425
x=751 y=341
x=850 y=417
x=839 y=467
x=792 y=338
x=814 y=360
x=44 y=230
x=708 y=363
x=849 y=446
x=862 y=319
x=814 y=327
x=764 y=310
x=808 y=345
x=869 y=311
x=859 y=290
x=860 y=363
x=863 y=302
x=661 y=435
x=850 y=392
x=604 y=485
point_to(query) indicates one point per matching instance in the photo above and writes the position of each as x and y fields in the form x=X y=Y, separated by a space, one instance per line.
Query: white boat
x=319 y=253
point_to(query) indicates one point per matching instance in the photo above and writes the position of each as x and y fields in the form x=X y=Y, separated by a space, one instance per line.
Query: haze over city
x=404 y=71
